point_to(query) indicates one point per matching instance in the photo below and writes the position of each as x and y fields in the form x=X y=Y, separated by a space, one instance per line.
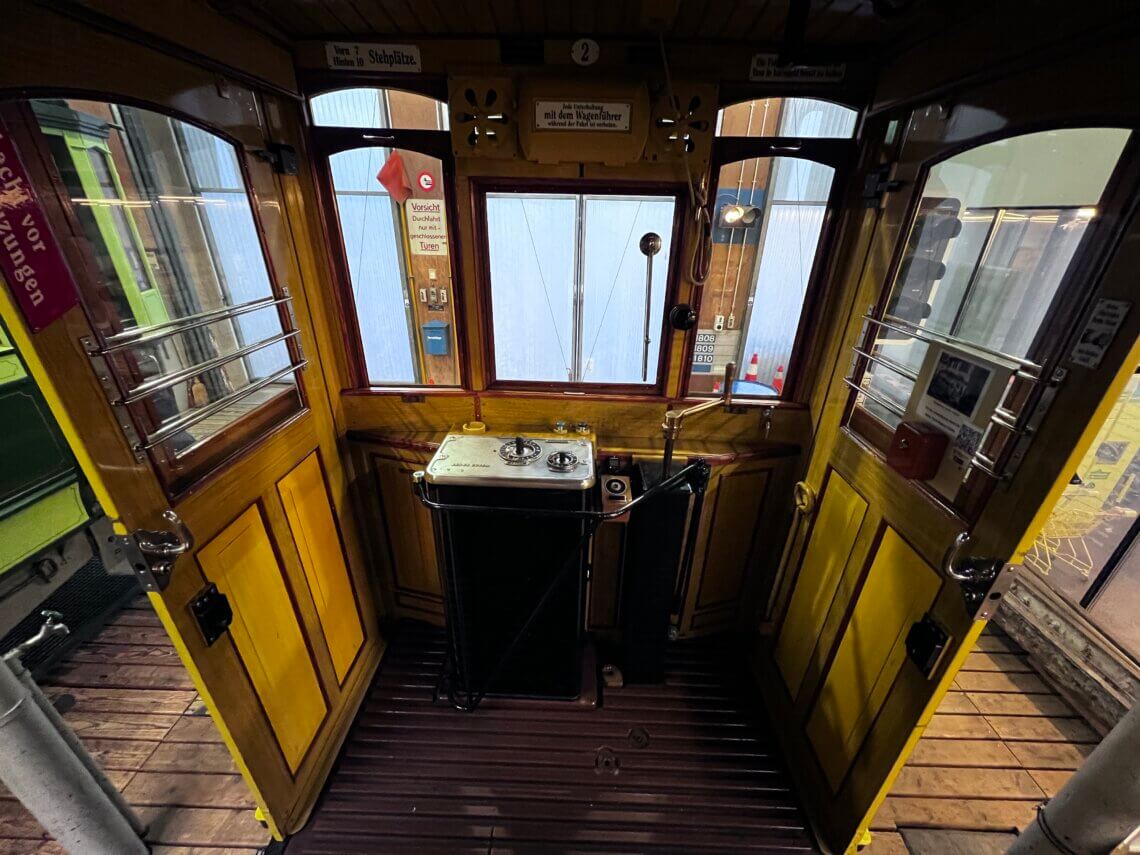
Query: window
x=378 y=108
x=768 y=216
x=1088 y=550
x=786 y=117
x=572 y=300
x=184 y=304
x=391 y=243
x=996 y=230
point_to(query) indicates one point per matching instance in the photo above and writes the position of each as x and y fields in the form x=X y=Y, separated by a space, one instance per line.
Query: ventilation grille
x=483 y=121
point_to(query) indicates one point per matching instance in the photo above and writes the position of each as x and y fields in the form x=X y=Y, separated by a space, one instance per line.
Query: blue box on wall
x=436 y=338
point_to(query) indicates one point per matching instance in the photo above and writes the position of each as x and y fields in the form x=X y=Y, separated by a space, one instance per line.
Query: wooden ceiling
x=830 y=23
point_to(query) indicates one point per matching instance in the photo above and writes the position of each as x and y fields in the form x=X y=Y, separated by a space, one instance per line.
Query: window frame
x=178 y=475
x=840 y=155
x=481 y=187
x=1052 y=339
x=326 y=141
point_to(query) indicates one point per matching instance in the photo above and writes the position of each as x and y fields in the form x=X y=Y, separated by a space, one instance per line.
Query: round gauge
x=562 y=461
x=615 y=487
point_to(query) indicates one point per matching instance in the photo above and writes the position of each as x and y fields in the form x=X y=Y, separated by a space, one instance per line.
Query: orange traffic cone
x=753 y=372
x=778 y=381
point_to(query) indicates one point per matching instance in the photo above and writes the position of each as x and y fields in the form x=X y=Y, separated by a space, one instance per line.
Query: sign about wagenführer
x=352 y=56
x=582 y=115
x=30 y=259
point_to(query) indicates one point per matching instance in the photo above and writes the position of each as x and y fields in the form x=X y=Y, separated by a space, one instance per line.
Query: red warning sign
x=426 y=180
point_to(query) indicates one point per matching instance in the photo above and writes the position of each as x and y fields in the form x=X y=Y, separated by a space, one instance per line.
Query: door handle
x=166 y=544
x=952 y=556
x=977 y=576
x=156 y=551
x=803 y=498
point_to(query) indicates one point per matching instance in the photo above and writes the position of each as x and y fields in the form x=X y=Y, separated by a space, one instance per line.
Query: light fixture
x=1086 y=213
x=738 y=216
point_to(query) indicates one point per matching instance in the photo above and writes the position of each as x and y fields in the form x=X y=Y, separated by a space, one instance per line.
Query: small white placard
x=427 y=226
x=1099 y=332
x=582 y=115
x=957 y=394
x=354 y=56
x=765 y=68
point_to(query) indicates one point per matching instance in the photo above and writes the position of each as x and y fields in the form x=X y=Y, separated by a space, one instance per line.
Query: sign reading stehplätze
x=354 y=56
x=582 y=115
x=30 y=259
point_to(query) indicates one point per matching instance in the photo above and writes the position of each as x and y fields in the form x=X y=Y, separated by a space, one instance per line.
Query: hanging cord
x=700 y=262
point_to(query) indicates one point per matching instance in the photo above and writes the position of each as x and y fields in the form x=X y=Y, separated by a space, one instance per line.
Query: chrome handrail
x=888 y=363
x=157 y=332
x=882 y=402
x=157 y=384
x=193 y=417
x=1023 y=367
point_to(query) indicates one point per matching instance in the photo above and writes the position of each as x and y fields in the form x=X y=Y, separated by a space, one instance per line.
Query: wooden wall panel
x=841 y=512
x=305 y=497
x=242 y=562
x=900 y=587
x=406 y=528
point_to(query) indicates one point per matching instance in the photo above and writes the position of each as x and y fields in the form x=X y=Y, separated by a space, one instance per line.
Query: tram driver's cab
x=610 y=427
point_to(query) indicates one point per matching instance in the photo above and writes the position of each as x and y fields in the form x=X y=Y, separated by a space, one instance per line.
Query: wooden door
x=220 y=419
x=874 y=618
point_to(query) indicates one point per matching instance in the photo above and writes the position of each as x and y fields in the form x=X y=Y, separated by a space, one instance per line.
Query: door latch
x=156 y=552
x=212 y=611
x=983 y=580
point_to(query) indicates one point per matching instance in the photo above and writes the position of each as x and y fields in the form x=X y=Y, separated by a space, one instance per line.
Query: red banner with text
x=30 y=259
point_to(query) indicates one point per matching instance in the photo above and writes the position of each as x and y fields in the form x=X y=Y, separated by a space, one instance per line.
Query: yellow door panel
x=241 y=561
x=900 y=588
x=841 y=513
x=314 y=528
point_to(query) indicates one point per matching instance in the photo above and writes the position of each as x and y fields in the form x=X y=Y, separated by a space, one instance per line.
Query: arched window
x=369 y=107
x=787 y=117
x=387 y=197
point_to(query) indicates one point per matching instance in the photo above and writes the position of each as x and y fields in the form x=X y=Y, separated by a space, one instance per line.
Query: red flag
x=394 y=179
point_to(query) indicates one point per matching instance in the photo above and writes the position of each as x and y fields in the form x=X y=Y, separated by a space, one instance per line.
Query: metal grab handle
x=950 y=559
x=166 y=381
x=156 y=332
x=1024 y=368
x=695 y=473
x=192 y=417
x=649 y=245
x=175 y=543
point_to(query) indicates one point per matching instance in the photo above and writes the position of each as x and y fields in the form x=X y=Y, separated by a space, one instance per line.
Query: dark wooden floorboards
x=417 y=775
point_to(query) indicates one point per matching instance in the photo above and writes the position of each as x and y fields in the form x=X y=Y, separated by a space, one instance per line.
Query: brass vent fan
x=483 y=121
x=683 y=124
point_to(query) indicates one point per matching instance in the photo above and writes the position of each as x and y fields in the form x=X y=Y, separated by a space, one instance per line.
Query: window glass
x=1087 y=550
x=569 y=295
x=767 y=219
x=392 y=215
x=164 y=208
x=996 y=230
x=378 y=108
x=787 y=117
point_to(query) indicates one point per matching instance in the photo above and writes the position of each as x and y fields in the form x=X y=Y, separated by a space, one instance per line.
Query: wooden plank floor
x=1001 y=743
x=419 y=776
x=130 y=700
